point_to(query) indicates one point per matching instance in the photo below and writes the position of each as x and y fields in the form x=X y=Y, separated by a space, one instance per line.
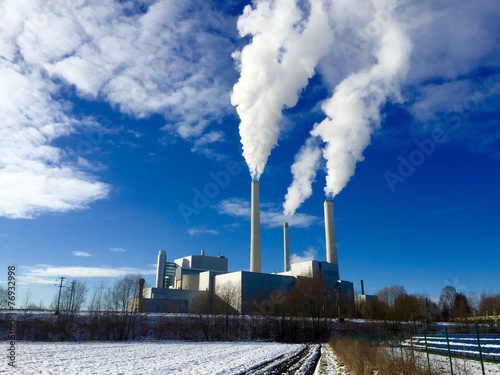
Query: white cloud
x=117 y=249
x=467 y=39
x=308 y=254
x=271 y=215
x=34 y=175
x=78 y=253
x=166 y=61
x=46 y=274
x=202 y=144
x=200 y=231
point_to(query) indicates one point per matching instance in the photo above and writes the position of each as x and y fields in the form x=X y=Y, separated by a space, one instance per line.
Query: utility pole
x=59 y=298
x=72 y=290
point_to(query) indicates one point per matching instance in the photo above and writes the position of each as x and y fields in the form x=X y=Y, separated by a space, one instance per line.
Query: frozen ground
x=460 y=366
x=168 y=357
x=159 y=358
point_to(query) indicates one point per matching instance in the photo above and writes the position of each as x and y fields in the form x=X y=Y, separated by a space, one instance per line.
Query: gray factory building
x=186 y=283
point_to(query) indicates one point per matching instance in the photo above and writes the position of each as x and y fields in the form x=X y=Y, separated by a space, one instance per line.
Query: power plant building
x=186 y=283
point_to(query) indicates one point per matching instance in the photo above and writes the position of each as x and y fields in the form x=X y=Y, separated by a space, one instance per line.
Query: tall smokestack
x=286 y=247
x=362 y=288
x=331 y=243
x=160 y=269
x=255 y=265
x=141 y=292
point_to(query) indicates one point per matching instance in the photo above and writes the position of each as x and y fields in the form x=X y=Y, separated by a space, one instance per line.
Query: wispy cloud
x=46 y=274
x=200 y=231
x=308 y=254
x=271 y=215
x=117 y=249
x=78 y=253
x=162 y=61
x=157 y=60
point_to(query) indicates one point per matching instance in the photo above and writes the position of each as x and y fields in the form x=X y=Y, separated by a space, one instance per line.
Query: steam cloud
x=353 y=111
x=287 y=42
x=304 y=170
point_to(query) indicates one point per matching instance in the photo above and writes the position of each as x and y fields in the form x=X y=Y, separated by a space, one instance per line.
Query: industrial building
x=195 y=281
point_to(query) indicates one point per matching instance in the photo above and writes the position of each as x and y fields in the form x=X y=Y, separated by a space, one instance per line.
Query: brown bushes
x=364 y=358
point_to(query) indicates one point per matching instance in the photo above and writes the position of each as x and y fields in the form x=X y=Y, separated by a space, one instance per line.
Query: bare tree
x=73 y=298
x=27 y=298
x=446 y=301
x=96 y=299
x=120 y=300
x=320 y=304
x=95 y=307
x=206 y=320
x=392 y=298
x=376 y=309
x=461 y=306
x=390 y=294
x=228 y=303
x=489 y=305
x=3 y=298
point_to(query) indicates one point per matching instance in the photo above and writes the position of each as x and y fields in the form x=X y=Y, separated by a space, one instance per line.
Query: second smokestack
x=255 y=263
x=286 y=248
x=331 y=243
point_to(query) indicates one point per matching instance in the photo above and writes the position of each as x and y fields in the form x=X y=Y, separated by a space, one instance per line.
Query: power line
x=59 y=298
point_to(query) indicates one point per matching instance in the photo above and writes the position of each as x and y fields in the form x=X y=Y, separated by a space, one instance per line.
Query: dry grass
x=364 y=358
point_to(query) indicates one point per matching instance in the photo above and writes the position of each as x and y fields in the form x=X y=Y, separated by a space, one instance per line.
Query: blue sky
x=121 y=136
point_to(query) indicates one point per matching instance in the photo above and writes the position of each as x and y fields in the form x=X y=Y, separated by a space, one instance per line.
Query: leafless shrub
x=362 y=358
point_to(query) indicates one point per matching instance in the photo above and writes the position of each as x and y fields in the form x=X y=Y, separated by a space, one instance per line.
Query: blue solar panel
x=458 y=344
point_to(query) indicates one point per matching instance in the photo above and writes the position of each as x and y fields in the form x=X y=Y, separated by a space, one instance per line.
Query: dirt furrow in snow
x=301 y=362
x=328 y=363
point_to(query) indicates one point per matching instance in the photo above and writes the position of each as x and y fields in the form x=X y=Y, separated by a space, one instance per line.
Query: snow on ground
x=180 y=357
x=329 y=363
x=142 y=357
x=460 y=365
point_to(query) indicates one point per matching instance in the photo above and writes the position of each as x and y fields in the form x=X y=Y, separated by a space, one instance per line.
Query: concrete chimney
x=255 y=264
x=286 y=248
x=362 y=288
x=331 y=243
x=141 y=292
x=160 y=269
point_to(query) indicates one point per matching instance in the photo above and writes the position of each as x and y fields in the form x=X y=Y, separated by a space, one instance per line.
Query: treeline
x=308 y=313
x=395 y=304
x=108 y=315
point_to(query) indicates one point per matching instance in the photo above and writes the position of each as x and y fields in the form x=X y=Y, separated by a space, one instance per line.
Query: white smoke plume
x=353 y=112
x=304 y=171
x=288 y=39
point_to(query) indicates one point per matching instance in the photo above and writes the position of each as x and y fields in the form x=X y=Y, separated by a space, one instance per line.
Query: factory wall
x=180 y=300
x=252 y=288
x=203 y=262
x=329 y=272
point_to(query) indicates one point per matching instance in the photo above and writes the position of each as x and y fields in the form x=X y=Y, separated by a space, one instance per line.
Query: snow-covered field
x=460 y=366
x=147 y=357
x=180 y=357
